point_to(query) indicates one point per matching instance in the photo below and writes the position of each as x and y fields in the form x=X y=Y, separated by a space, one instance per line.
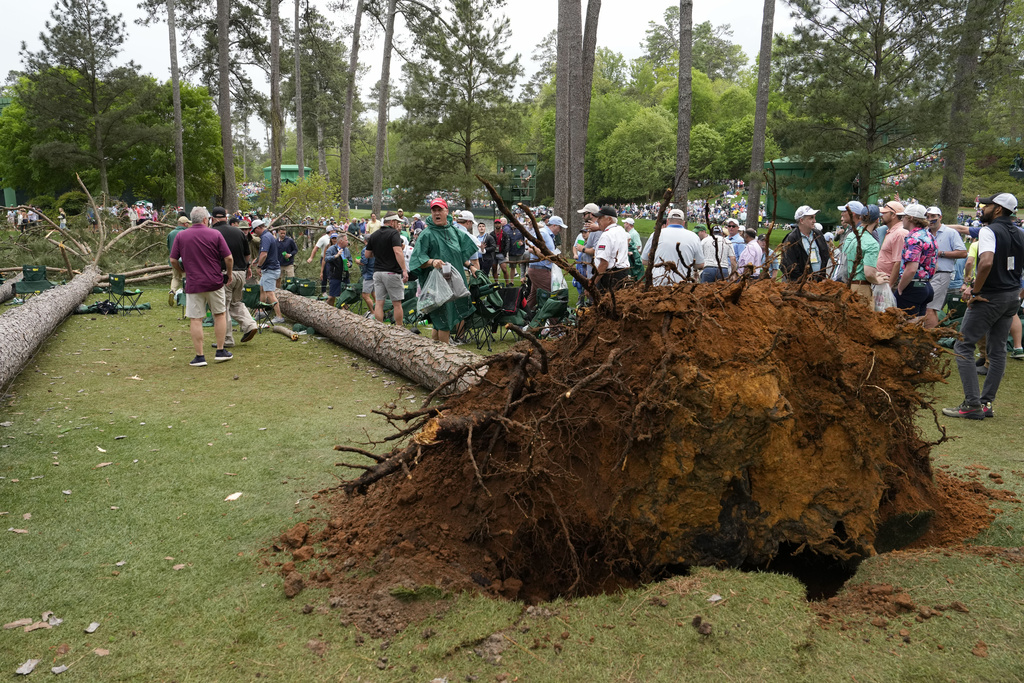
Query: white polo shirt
x=613 y=248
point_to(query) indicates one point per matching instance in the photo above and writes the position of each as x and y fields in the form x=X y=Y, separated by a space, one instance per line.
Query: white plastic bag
x=883 y=296
x=436 y=293
x=456 y=282
x=558 y=282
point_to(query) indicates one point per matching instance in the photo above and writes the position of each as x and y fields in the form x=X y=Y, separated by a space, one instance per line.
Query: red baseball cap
x=438 y=202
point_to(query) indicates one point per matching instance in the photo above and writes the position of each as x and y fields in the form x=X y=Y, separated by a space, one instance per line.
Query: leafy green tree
x=706 y=162
x=459 y=109
x=639 y=157
x=714 y=53
x=313 y=195
x=735 y=104
x=705 y=101
x=85 y=107
x=863 y=88
x=737 y=142
x=607 y=112
x=610 y=71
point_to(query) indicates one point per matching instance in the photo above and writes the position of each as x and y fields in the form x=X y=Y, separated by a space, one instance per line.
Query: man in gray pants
x=993 y=299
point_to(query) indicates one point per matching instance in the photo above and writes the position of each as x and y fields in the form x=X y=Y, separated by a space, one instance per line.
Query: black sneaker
x=965 y=411
x=198 y=362
x=222 y=355
x=986 y=408
x=250 y=334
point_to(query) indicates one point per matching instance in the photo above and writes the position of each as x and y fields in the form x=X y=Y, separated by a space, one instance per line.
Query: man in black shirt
x=288 y=248
x=238 y=245
x=389 y=269
x=992 y=302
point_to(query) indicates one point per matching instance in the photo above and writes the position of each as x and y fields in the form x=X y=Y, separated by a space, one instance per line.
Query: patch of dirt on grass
x=961 y=511
x=695 y=425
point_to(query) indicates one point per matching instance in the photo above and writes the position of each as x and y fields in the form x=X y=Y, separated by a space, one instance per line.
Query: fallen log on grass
x=291 y=334
x=426 y=362
x=24 y=328
x=7 y=288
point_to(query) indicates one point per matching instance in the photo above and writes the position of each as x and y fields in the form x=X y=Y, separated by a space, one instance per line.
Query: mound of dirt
x=694 y=425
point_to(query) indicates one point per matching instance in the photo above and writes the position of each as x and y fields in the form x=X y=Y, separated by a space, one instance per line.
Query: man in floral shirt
x=917 y=264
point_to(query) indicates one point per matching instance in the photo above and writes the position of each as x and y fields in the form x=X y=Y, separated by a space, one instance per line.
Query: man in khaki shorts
x=389 y=269
x=204 y=255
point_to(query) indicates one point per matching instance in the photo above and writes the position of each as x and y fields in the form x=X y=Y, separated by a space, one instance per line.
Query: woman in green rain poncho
x=442 y=242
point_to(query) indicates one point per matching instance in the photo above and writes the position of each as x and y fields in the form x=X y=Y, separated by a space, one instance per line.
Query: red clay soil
x=679 y=429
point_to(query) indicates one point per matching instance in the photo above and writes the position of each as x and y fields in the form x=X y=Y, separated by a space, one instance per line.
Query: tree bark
x=685 y=112
x=764 y=75
x=321 y=150
x=276 y=122
x=346 y=135
x=382 y=108
x=7 y=288
x=229 y=191
x=575 y=72
x=179 y=153
x=420 y=359
x=568 y=68
x=25 y=328
x=965 y=94
x=300 y=155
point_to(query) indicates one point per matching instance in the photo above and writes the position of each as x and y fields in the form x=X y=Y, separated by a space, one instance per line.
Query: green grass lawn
x=264 y=425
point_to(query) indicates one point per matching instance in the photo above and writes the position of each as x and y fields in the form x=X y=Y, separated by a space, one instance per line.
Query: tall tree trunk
x=764 y=75
x=382 y=108
x=300 y=154
x=965 y=94
x=321 y=150
x=229 y=190
x=565 y=49
x=685 y=105
x=424 y=361
x=346 y=135
x=276 y=117
x=575 y=70
x=179 y=153
x=25 y=328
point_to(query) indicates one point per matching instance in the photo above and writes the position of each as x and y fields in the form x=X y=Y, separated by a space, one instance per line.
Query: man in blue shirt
x=268 y=267
x=949 y=247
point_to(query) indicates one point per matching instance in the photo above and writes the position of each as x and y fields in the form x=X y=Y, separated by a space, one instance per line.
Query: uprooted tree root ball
x=713 y=424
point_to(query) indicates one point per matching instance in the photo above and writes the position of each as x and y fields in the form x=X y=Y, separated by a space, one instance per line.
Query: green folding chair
x=261 y=312
x=127 y=300
x=33 y=281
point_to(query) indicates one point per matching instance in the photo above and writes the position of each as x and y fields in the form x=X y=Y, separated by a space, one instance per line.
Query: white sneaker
x=277 y=321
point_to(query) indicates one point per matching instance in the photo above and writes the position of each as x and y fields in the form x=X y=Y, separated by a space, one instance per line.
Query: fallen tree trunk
x=7 y=288
x=25 y=328
x=426 y=362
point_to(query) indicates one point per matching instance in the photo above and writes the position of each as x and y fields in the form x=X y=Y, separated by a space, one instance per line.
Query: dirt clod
x=304 y=553
x=980 y=649
x=293 y=584
x=295 y=536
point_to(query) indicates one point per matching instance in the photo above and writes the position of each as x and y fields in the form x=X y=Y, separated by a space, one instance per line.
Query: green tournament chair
x=261 y=312
x=127 y=300
x=33 y=281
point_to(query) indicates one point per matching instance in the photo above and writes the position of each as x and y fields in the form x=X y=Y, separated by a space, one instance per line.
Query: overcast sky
x=621 y=28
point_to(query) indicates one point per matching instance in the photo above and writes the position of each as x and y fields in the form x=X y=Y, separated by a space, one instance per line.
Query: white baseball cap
x=1003 y=199
x=676 y=213
x=467 y=216
x=628 y=220
x=804 y=211
x=590 y=208
x=934 y=210
x=914 y=210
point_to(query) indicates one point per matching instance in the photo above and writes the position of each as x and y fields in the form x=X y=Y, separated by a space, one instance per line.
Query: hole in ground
x=821 y=575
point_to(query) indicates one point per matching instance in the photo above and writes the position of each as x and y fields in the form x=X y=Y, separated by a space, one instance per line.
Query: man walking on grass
x=204 y=254
x=238 y=245
x=268 y=268
x=389 y=271
x=992 y=302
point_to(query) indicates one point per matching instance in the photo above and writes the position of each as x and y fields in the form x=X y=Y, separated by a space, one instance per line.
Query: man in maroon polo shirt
x=204 y=257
